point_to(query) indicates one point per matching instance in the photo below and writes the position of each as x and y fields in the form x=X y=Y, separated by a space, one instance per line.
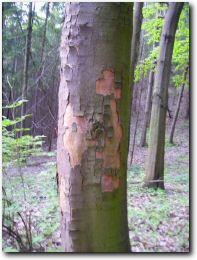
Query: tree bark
x=41 y=66
x=187 y=109
x=136 y=123
x=147 y=109
x=26 y=63
x=93 y=126
x=155 y=159
x=148 y=105
x=135 y=45
x=177 y=108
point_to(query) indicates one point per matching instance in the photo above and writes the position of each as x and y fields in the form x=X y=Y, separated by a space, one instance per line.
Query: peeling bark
x=93 y=126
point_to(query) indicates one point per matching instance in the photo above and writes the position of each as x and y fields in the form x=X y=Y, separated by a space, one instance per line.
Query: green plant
x=16 y=150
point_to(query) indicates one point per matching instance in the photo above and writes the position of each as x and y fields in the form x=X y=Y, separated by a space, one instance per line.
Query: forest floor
x=158 y=220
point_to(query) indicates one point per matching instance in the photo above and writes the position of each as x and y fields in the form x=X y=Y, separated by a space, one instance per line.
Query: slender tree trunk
x=41 y=65
x=26 y=62
x=147 y=109
x=177 y=108
x=93 y=126
x=155 y=159
x=135 y=45
x=136 y=123
x=148 y=105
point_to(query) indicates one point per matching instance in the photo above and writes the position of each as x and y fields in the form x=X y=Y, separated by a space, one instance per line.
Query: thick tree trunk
x=177 y=108
x=93 y=126
x=155 y=159
x=26 y=62
x=147 y=109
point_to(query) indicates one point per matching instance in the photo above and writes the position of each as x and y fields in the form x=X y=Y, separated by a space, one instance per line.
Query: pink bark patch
x=99 y=155
x=109 y=183
x=117 y=93
x=108 y=74
x=104 y=87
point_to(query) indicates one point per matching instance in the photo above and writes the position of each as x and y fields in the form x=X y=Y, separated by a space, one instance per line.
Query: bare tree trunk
x=155 y=159
x=177 y=108
x=41 y=66
x=93 y=126
x=147 y=109
x=187 y=110
x=135 y=45
x=136 y=124
x=26 y=63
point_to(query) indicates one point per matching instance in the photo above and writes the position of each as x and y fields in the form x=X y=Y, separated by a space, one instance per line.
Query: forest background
x=41 y=93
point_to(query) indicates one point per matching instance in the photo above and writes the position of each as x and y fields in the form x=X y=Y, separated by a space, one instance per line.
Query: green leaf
x=16 y=104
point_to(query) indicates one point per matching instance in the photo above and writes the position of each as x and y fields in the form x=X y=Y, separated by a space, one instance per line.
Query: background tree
x=43 y=77
x=153 y=21
x=155 y=159
x=135 y=46
x=180 y=63
x=93 y=126
x=178 y=106
x=26 y=62
x=40 y=69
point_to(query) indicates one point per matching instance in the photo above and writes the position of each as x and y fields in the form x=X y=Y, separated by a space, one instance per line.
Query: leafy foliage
x=154 y=14
x=180 y=59
x=18 y=149
x=18 y=208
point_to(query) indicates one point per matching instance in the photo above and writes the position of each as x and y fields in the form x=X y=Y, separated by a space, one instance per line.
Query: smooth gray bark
x=155 y=159
x=93 y=126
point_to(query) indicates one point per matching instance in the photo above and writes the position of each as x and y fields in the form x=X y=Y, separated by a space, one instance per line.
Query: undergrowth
x=159 y=219
x=40 y=204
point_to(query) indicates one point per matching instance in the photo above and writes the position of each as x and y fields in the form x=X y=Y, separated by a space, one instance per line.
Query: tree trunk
x=147 y=109
x=177 y=108
x=187 y=110
x=155 y=159
x=136 y=123
x=26 y=63
x=41 y=66
x=148 y=105
x=93 y=126
x=135 y=45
